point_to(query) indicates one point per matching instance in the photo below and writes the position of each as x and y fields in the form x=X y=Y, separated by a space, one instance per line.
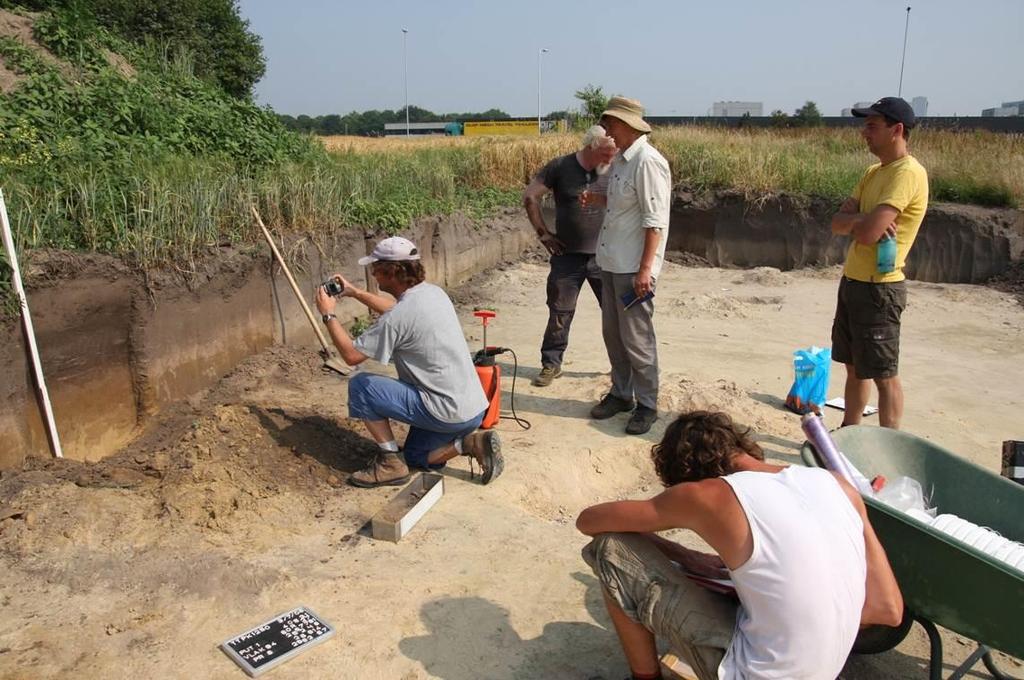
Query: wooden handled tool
x=330 y=361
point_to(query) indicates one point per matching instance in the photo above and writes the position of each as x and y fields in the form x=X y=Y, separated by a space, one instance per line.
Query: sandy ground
x=235 y=508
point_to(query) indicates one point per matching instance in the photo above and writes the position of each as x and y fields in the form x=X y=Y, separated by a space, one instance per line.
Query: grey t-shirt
x=575 y=226
x=424 y=337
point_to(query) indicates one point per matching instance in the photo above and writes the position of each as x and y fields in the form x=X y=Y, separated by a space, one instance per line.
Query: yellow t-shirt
x=902 y=184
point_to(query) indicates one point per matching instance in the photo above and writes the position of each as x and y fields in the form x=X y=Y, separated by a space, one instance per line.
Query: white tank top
x=802 y=590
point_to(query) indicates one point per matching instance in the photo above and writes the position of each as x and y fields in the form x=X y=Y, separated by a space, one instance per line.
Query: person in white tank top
x=806 y=565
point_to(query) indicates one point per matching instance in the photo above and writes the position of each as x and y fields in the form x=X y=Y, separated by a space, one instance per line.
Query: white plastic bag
x=904 y=494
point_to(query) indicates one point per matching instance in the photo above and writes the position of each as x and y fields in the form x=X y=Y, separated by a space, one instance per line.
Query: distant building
x=395 y=129
x=735 y=109
x=859 y=105
x=1005 y=110
x=1000 y=112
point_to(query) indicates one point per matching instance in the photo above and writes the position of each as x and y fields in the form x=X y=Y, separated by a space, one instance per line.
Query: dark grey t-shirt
x=576 y=227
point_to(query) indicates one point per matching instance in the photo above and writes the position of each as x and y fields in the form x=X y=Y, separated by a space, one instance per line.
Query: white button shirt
x=639 y=195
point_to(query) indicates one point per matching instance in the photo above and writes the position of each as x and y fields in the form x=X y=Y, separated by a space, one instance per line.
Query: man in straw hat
x=630 y=250
x=574 y=242
x=437 y=391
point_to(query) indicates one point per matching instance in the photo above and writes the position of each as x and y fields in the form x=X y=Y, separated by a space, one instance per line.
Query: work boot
x=546 y=375
x=386 y=469
x=609 y=406
x=641 y=420
x=485 y=448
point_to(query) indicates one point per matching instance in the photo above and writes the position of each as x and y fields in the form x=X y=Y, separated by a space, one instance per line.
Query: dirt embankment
x=19 y=28
x=119 y=344
x=956 y=244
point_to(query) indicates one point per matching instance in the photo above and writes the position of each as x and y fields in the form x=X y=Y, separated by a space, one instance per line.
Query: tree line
x=371 y=123
x=807 y=115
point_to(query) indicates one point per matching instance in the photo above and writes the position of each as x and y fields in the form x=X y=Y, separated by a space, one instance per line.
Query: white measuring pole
x=30 y=334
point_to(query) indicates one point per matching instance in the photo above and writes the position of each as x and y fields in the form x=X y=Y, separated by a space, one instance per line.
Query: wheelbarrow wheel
x=878 y=639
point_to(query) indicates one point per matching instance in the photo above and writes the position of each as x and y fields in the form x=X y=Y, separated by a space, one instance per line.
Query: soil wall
x=453 y=249
x=117 y=346
x=956 y=244
x=82 y=332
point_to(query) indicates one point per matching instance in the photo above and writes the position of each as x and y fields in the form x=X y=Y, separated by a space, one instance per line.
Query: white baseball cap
x=394 y=249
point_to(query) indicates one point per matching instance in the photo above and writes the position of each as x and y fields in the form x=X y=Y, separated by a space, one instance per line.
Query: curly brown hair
x=407 y=272
x=700 y=445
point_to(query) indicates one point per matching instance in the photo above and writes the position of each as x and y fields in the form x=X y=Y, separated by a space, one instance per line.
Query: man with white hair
x=574 y=241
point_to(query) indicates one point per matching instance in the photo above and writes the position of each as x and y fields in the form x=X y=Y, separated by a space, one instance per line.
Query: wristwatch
x=328 y=317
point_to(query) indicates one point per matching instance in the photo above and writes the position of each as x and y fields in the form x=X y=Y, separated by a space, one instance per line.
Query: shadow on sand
x=491 y=647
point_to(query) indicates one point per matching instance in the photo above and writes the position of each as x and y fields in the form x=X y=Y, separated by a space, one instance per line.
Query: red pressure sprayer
x=489 y=373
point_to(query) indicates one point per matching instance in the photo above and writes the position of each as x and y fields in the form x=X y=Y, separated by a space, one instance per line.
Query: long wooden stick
x=291 y=281
x=30 y=334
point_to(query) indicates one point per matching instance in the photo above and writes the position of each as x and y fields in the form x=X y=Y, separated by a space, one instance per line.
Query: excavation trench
x=118 y=347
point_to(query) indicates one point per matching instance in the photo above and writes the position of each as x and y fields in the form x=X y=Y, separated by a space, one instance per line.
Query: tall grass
x=173 y=209
x=983 y=168
x=170 y=208
x=502 y=162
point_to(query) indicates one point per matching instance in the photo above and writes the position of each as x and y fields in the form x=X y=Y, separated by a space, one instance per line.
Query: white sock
x=458 y=445
x=390 y=447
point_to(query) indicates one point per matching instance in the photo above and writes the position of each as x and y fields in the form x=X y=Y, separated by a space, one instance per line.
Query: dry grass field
x=970 y=167
x=173 y=209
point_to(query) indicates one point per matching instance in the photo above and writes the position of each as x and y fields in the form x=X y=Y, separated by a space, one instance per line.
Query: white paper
x=840 y=403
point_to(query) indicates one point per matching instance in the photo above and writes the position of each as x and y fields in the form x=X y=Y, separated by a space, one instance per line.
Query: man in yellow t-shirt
x=889 y=202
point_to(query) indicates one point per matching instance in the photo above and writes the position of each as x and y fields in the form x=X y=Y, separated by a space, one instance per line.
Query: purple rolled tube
x=821 y=440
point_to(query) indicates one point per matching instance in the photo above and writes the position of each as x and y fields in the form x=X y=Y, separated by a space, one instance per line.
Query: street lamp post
x=906 y=29
x=405 y=70
x=540 y=53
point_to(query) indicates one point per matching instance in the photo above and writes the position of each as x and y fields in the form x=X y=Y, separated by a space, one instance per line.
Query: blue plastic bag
x=810 y=385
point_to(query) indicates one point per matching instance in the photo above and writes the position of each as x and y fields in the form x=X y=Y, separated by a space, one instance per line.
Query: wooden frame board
x=400 y=515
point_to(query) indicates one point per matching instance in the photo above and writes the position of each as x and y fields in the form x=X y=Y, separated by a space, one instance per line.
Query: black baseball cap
x=890 y=107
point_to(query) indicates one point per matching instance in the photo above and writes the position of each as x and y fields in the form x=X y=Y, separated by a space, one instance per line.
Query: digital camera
x=333 y=287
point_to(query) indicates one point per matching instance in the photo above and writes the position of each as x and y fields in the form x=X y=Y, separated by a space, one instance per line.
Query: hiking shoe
x=485 y=449
x=641 y=420
x=386 y=469
x=546 y=375
x=609 y=406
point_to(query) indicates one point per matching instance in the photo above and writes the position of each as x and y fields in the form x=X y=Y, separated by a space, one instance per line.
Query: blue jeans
x=377 y=397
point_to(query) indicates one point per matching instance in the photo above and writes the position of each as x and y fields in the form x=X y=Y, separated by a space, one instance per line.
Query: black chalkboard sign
x=272 y=643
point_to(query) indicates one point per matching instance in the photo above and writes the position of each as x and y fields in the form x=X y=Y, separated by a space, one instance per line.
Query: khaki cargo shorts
x=866 y=328
x=697 y=623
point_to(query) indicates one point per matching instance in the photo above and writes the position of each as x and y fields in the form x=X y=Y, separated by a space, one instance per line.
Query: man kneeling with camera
x=437 y=391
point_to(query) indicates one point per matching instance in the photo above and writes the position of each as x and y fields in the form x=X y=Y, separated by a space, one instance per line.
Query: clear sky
x=677 y=57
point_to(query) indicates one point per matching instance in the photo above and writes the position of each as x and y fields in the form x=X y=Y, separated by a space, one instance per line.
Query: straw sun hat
x=629 y=111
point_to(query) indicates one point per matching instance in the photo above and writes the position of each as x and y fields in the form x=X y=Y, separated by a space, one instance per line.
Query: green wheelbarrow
x=943 y=580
